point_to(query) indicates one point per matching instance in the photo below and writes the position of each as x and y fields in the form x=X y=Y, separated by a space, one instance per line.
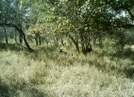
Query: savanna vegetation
x=67 y=48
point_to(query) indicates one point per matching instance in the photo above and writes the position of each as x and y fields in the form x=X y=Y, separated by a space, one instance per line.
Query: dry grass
x=51 y=74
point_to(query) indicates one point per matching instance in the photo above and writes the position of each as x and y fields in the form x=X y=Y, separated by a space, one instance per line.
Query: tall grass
x=50 y=74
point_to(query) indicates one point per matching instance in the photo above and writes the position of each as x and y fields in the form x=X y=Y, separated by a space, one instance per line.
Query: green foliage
x=88 y=19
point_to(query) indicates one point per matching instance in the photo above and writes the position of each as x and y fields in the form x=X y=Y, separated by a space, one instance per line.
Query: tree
x=83 y=21
x=12 y=15
x=96 y=19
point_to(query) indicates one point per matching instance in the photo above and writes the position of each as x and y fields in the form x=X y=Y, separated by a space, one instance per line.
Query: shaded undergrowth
x=113 y=60
x=4 y=90
x=11 y=46
x=12 y=90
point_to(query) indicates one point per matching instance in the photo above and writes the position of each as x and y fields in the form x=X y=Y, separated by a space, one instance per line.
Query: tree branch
x=21 y=33
x=127 y=26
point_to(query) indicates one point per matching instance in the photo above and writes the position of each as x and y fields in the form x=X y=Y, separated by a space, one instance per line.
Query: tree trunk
x=36 y=40
x=6 y=36
x=86 y=47
x=27 y=45
x=15 y=38
x=21 y=38
x=20 y=32
x=39 y=40
x=75 y=43
x=100 y=42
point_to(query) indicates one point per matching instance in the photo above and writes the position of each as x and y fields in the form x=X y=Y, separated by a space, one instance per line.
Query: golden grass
x=51 y=74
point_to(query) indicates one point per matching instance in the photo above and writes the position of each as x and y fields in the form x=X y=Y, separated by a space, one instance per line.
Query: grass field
x=102 y=73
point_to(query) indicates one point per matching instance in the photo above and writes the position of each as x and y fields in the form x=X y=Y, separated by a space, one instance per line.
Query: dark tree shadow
x=12 y=47
x=129 y=72
x=4 y=91
x=30 y=92
x=36 y=93
x=11 y=91
x=128 y=68
x=128 y=53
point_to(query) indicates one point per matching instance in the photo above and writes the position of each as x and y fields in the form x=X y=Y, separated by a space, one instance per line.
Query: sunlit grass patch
x=52 y=74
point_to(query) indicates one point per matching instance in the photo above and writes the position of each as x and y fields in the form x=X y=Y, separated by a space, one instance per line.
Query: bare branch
x=127 y=26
